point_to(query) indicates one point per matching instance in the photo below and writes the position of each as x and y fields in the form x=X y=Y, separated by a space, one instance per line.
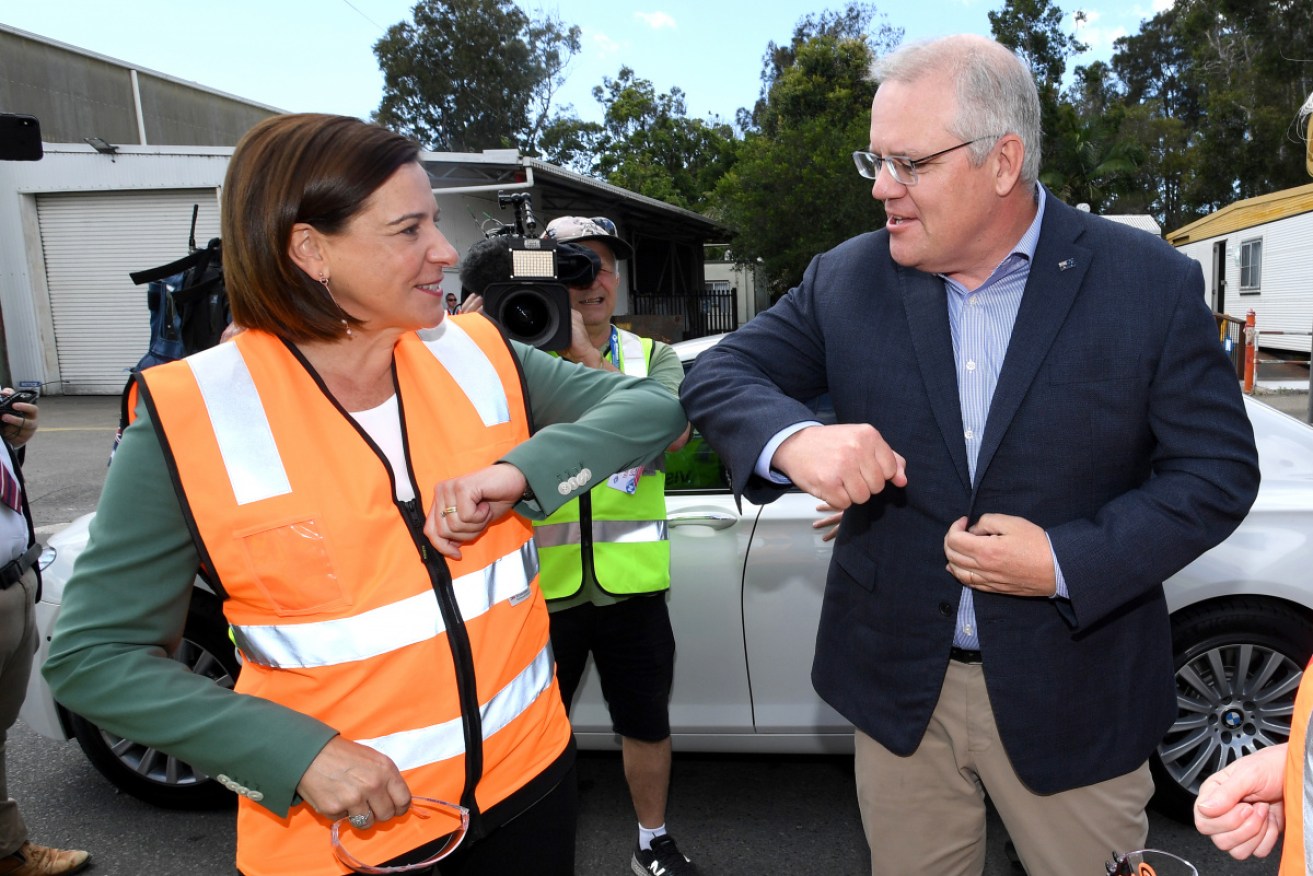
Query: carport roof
x=563 y=192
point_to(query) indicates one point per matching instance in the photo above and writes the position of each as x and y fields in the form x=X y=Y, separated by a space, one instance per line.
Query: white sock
x=647 y=834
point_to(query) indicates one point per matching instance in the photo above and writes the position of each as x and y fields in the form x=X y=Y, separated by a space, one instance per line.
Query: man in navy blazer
x=1036 y=427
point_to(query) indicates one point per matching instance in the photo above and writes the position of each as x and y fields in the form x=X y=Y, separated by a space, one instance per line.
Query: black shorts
x=633 y=648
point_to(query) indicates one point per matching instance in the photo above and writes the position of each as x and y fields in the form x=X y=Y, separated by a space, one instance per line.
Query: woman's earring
x=324 y=280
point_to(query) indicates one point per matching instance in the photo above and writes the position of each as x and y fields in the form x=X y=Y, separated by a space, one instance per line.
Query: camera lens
x=525 y=314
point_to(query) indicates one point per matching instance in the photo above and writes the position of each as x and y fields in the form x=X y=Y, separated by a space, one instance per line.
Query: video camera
x=524 y=280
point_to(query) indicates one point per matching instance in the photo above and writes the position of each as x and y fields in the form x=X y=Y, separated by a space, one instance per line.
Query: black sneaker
x=663 y=859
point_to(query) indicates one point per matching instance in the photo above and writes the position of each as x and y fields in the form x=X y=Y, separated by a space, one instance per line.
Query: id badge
x=625 y=481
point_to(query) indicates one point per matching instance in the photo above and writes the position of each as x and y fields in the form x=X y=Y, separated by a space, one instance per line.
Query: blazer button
x=945 y=609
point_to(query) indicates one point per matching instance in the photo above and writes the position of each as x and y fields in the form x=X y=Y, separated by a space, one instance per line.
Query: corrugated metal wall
x=91 y=242
x=1283 y=304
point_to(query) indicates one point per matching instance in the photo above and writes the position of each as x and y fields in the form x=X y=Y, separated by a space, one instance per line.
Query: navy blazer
x=1117 y=425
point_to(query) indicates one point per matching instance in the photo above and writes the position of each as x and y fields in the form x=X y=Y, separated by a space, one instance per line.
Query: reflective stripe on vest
x=633 y=361
x=550 y=535
x=461 y=356
x=424 y=745
x=241 y=427
x=389 y=628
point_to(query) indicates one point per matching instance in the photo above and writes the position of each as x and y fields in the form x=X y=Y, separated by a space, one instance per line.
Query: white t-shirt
x=383 y=424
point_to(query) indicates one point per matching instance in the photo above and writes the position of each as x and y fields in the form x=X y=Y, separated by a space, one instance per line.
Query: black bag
x=188 y=303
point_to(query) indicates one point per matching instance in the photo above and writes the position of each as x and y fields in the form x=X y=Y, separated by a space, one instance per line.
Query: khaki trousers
x=18 y=640
x=926 y=813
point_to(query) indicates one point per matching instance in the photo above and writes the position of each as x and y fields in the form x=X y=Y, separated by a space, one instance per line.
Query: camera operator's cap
x=572 y=229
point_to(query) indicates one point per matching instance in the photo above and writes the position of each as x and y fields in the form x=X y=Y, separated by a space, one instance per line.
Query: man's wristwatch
x=528 y=493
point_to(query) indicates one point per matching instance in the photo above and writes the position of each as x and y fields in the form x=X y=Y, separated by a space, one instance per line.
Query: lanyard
x=615 y=348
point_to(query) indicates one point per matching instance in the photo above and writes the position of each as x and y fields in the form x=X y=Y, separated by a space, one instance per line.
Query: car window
x=696 y=468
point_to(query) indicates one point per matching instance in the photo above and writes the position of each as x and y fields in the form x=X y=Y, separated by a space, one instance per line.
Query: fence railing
x=1231 y=332
x=1240 y=339
x=705 y=311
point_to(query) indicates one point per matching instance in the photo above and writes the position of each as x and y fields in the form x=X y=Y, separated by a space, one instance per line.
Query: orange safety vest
x=341 y=608
x=1298 y=792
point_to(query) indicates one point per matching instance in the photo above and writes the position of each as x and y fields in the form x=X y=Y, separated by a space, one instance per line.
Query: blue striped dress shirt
x=981 y=321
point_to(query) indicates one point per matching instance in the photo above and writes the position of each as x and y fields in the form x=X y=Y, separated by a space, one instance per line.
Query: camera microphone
x=485 y=263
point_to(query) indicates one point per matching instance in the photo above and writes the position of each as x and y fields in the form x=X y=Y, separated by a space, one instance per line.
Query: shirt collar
x=1023 y=252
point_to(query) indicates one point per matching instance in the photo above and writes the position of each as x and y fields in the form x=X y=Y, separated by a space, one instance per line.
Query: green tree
x=1090 y=158
x=858 y=21
x=467 y=75
x=794 y=191
x=1034 y=30
x=1211 y=87
x=646 y=143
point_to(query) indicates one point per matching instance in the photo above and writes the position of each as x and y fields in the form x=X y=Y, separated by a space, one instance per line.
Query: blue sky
x=317 y=55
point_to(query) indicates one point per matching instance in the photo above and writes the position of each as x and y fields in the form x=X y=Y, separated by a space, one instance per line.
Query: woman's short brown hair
x=311 y=168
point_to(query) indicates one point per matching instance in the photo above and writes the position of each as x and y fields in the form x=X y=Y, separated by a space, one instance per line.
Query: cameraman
x=606 y=584
x=18 y=641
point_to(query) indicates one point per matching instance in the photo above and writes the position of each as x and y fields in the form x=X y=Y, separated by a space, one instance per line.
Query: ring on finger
x=361 y=820
x=450 y=509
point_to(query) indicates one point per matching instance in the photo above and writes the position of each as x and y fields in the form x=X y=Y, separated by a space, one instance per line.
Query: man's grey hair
x=996 y=93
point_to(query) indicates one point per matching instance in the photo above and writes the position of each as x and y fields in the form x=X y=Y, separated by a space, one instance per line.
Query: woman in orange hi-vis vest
x=343 y=473
x=1246 y=807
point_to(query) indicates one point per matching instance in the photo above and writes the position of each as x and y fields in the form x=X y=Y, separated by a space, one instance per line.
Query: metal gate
x=705 y=311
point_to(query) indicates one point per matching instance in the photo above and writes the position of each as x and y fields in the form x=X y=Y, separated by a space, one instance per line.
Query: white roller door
x=91 y=242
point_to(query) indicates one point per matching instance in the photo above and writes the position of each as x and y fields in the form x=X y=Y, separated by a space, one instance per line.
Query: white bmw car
x=745 y=601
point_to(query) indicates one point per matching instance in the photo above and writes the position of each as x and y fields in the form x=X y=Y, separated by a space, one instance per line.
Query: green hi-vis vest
x=623 y=534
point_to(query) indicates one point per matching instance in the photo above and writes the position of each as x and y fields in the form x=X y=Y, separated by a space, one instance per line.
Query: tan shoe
x=34 y=860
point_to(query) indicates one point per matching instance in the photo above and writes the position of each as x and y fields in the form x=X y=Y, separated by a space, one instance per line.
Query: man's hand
x=347 y=779
x=464 y=507
x=20 y=424
x=842 y=465
x=1001 y=554
x=581 y=350
x=830 y=522
x=1241 y=807
x=473 y=304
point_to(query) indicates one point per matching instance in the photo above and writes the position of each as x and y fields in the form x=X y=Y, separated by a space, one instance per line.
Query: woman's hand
x=348 y=779
x=464 y=507
x=20 y=424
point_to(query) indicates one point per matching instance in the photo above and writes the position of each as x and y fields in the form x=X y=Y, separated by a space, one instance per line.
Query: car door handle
x=714 y=519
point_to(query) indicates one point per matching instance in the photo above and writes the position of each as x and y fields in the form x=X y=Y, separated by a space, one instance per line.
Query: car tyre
x=149 y=774
x=1238 y=665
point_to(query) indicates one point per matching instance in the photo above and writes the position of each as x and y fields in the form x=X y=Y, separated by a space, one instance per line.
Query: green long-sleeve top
x=125 y=606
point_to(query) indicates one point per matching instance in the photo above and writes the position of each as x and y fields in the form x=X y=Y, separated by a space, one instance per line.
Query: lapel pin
x=1066 y=263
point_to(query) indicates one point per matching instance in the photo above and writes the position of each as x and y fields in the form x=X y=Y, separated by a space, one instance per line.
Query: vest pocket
x=291 y=565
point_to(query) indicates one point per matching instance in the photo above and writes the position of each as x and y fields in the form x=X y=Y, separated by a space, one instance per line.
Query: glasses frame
x=904 y=170
x=453 y=840
x=1121 y=865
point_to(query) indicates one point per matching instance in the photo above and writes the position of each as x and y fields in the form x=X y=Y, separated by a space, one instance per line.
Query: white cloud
x=656 y=20
x=605 y=46
x=1100 y=40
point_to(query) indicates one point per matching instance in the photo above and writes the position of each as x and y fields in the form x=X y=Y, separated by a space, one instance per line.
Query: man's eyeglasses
x=451 y=811
x=905 y=171
x=1149 y=862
